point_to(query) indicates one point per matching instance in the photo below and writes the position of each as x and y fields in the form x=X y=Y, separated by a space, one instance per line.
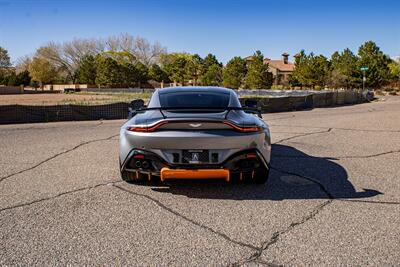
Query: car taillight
x=242 y=129
x=251 y=155
x=145 y=128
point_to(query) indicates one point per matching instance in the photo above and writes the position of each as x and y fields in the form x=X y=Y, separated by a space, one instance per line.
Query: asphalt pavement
x=333 y=198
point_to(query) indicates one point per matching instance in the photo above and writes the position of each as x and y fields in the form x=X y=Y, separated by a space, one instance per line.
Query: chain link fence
x=30 y=114
x=278 y=102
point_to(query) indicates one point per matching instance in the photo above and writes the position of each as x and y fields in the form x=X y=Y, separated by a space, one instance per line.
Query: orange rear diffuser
x=167 y=173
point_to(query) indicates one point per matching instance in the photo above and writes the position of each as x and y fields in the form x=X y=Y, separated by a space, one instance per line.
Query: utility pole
x=363 y=80
x=364 y=69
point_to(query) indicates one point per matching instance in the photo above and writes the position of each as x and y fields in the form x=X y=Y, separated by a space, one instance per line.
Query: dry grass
x=81 y=98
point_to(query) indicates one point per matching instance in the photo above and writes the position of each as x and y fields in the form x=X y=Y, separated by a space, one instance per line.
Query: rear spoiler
x=252 y=110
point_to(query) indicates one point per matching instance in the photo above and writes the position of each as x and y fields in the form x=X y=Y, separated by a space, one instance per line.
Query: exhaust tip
x=145 y=164
x=138 y=164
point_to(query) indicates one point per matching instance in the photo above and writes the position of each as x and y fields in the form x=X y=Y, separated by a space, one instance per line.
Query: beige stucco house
x=281 y=69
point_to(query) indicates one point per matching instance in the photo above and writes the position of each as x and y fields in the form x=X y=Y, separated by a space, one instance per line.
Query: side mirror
x=250 y=103
x=137 y=104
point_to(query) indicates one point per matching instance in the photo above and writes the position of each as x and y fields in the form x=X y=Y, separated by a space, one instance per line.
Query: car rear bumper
x=241 y=161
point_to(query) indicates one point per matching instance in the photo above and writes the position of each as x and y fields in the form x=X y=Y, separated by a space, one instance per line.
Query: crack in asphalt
x=323 y=114
x=280 y=132
x=269 y=264
x=320 y=185
x=370 y=156
x=369 y=201
x=341 y=157
x=280 y=118
x=176 y=213
x=368 y=130
x=275 y=237
x=301 y=157
x=99 y=123
x=338 y=128
x=55 y=156
x=59 y=195
x=301 y=135
x=330 y=196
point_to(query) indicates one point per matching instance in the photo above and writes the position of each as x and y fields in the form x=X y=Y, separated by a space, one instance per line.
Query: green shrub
x=277 y=87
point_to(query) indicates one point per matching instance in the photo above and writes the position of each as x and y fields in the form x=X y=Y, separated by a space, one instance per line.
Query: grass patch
x=101 y=98
x=254 y=96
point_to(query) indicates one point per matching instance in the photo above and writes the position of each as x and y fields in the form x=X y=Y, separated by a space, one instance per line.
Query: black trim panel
x=229 y=162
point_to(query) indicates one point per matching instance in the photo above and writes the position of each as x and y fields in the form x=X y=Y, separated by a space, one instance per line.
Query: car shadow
x=294 y=175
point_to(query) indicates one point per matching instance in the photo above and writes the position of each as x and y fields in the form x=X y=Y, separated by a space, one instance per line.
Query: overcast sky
x=226 y=28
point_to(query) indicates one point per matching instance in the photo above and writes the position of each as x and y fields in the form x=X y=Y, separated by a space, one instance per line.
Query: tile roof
x=280 y=65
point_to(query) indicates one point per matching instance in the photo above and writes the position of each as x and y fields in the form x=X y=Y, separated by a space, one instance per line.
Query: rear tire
x=133 y=177
x=260 y=176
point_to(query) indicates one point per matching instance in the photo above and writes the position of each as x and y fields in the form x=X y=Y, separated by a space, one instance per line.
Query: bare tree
x=112 y=43
x=66 y=57
x=141 y=48
x=22 y=64
x=147 y=53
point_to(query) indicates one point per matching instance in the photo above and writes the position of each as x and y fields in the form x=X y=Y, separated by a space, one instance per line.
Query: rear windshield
x=194 y=100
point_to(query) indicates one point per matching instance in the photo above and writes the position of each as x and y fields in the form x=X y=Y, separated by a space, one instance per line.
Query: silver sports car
x=194 y=133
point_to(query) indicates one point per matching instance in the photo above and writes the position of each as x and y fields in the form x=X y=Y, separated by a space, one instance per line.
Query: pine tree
x=371 y=56
x=158 y=74
x=87 y=70
x=213 y=76
x=257 y=76
x=211 y=71
x=234 y=73
x=4 y=58
x=311 y=70
x=345 y=71
x=194 y=68
x=174 y=65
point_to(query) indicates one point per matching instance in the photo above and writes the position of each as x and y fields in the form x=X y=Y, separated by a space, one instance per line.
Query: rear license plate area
x=195 y=156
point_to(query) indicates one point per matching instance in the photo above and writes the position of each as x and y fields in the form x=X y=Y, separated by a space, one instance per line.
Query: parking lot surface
x=333 y=198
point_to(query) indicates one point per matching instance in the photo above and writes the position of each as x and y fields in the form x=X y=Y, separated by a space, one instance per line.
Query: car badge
x=195 y=156
x=195 y=125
